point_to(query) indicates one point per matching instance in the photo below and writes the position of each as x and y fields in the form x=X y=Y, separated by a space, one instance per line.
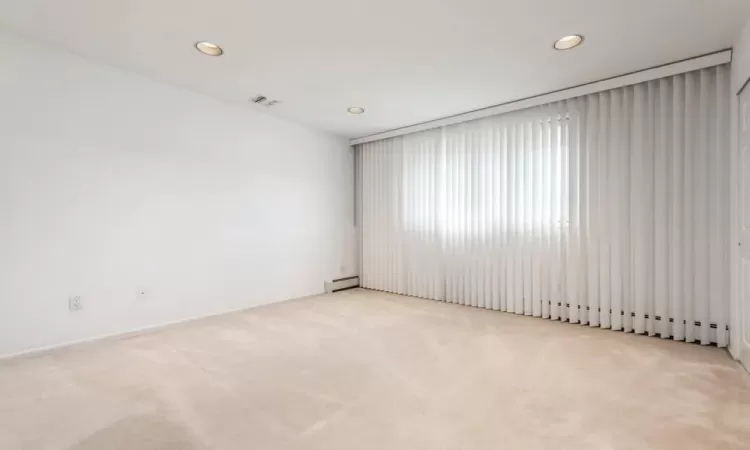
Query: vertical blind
x=607 y=210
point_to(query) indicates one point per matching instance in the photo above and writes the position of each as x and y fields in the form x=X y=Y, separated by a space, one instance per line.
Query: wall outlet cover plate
x=75 y=303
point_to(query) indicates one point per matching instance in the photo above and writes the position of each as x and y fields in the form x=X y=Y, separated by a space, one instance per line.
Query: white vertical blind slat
x=605 y=236
x=661 y=207
x=720 y=194
x=701 y=210
x=688 y=179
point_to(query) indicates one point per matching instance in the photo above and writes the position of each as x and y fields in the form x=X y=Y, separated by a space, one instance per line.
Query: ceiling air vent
x=263 y=100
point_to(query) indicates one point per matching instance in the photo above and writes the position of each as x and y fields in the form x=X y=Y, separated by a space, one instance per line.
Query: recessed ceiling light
x=356 y=110
x=208 y=48
x=568 y=42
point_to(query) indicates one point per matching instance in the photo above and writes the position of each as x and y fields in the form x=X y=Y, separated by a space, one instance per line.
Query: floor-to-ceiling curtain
x=610 y=210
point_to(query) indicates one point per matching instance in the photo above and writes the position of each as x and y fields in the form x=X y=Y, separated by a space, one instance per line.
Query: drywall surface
x=153 y=204
x=740 y=74
x=741 y=59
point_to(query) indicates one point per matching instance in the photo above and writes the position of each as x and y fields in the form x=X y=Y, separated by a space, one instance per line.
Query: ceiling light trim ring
x=208 y=48
x=578 y=38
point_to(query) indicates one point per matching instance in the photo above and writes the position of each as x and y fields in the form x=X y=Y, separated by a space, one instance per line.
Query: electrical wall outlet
x=75 y=303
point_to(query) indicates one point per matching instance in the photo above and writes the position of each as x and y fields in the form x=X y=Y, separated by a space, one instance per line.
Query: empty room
x=374 y=225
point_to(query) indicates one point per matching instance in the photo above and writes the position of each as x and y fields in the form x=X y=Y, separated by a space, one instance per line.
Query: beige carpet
x=367 y=370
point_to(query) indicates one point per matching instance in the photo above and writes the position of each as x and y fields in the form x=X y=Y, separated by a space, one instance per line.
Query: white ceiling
x=405 y=61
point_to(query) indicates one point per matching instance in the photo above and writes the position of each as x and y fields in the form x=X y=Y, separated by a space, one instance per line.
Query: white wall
x=740 y=73
x=741 y=59
x=111 y=183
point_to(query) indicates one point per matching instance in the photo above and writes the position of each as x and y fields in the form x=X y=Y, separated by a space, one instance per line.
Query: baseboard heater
x=342 y=284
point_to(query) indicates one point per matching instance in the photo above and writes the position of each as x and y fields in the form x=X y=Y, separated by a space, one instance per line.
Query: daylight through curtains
x=609 y=210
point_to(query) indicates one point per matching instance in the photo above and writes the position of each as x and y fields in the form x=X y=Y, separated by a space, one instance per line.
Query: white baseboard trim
x=139 y=331
x=741 y=353
x=744 y=358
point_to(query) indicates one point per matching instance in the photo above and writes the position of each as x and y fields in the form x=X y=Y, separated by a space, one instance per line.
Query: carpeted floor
x=367 y=370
